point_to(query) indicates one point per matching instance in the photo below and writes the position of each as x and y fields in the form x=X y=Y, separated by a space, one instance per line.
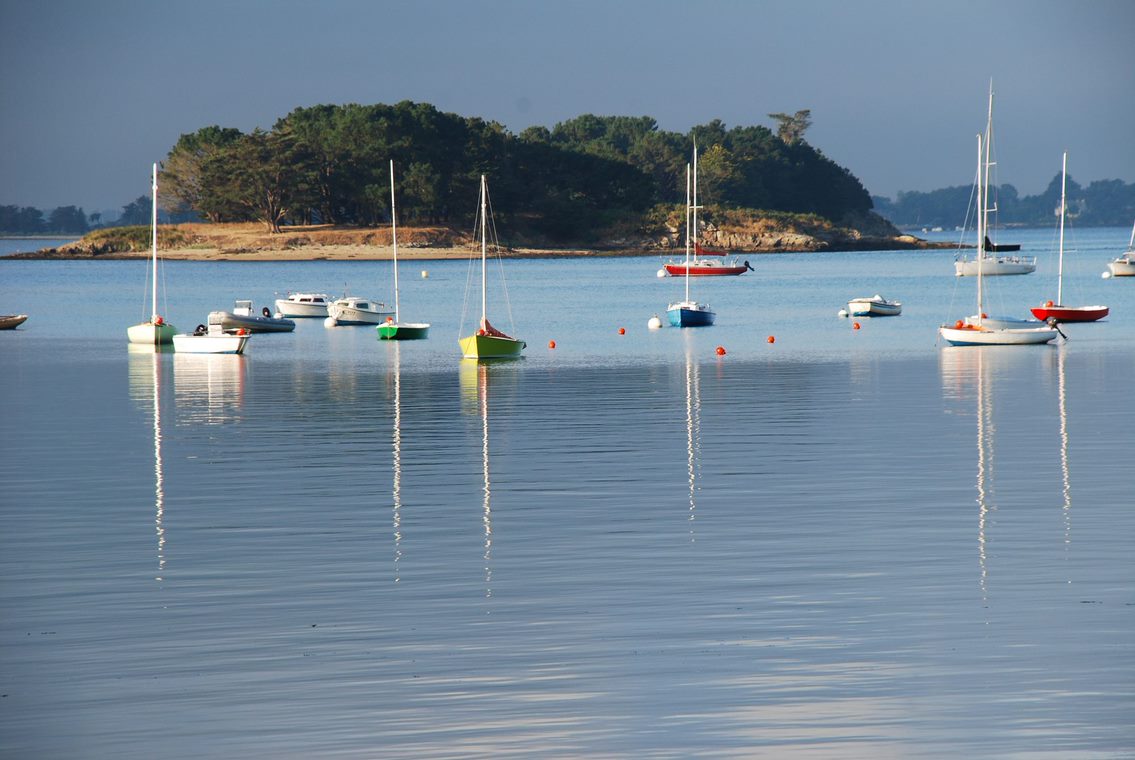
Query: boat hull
x=867 y=307
x=403 y=331
x=994 y=266
x=981 y=336
x=1001 y=323
x=690 y=314
x=706 y=268
x=1069 y=313
x=490 y=347
x=1124 y=266
x=304 y=309
x=351 y=315
x=229 y=321
x=211 y=343
x=12 y=321
x=151 y=334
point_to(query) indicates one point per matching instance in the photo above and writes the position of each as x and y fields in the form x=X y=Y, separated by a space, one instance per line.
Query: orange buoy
x=772 y=339
x=622 y=331
x=721 y=350
x=551 y=344
x=1048 y=303
x=959 y=325
x=855 y=326
x=159 y=320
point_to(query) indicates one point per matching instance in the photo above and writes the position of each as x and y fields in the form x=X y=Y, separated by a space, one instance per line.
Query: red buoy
x=772 y=339
x=721 y=350
x=622 y=331
x=551 y=344
x=855 y=326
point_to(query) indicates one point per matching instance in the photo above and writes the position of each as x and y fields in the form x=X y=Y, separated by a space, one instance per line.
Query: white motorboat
x=242 y=316
x=1124 y=266
x=303 y=305
x=875 y=306
x=211 y=340
x=352 y=310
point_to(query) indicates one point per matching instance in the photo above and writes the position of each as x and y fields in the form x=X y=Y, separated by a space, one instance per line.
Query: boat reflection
x=209 y=388
x=146 y=369
x=474 y=376
x=693 y=430
x=396 y=448
x=1066 y=483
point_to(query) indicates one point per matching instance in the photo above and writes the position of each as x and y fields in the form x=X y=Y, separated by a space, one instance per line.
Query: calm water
x=847 y=543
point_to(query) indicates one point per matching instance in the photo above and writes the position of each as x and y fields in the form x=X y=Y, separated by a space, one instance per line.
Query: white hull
x=984 y=336
x=993 y=266
x=212 y=342
x=303 y=305
x=351 y=311
x=873 y=307
x=1002 y=323
x=150 y=334
x=1124 y=266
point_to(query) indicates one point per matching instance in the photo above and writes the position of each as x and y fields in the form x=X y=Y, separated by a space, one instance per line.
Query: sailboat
x=155 y=331
x=974 y=331
x=983 y=263
x=1124 y=266
x=394 y=328
x=1058 y=311
x=488 y=342
x=690 y=313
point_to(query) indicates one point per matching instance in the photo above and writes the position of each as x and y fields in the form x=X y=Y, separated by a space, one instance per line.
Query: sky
x=93 y=92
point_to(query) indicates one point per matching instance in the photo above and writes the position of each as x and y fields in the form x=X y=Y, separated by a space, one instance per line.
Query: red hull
x=1069 y=313
x=679 y=270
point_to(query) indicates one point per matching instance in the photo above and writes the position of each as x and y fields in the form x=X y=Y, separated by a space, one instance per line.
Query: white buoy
x=330 y=322
x=1106 y=275
x=654 y=322
x=425 y=274
x=662 y=272
x=843 y=313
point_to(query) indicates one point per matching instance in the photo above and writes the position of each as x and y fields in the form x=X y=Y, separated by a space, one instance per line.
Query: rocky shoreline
x=250 y=242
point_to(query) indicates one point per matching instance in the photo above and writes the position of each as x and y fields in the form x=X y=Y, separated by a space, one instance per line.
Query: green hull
x=396 y=331
x=490 y=347
x=150 y=334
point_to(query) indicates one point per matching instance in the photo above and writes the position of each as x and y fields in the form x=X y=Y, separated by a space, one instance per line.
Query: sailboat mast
x=394 y=237
x=689 y=211
x=154 y=244
x=988 y=142
x=695 y=207
x=1060 y=266
x=484 y=248
x=980 y=225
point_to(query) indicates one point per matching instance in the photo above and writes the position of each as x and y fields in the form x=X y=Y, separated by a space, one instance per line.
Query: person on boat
x=487 y=329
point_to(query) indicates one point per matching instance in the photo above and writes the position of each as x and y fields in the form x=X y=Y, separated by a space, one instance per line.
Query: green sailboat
x=394 y=328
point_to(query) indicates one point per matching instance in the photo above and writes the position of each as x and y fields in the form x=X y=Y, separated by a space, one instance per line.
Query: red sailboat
x=1057 y=311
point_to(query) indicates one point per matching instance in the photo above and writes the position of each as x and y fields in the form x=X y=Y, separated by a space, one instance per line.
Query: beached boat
x=211 y=340
x=394 y=328
x=974 y=331
x=487 y=342
x=1058 y=310
x=155 y=331
x=303 y=305
x=352 y=310
x=688 y=312
x=12 y=321
x=1124 y=266
x=875 y=306
x=989 y=260
x=242 y=316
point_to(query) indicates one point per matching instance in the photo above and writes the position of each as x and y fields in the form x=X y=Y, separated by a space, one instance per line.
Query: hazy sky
x=93 y=91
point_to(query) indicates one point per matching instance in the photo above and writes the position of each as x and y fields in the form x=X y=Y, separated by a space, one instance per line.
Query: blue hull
x=690 y=317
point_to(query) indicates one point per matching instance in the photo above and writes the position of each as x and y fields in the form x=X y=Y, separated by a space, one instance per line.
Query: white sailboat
x=975 y=331
x=155 y=331
x=983 y=263
x=394 y=328
x=1124 y=266
x=688 y=312
x=488 y=342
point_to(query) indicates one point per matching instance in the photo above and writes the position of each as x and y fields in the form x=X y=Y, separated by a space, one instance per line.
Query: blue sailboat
x=690 y=313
